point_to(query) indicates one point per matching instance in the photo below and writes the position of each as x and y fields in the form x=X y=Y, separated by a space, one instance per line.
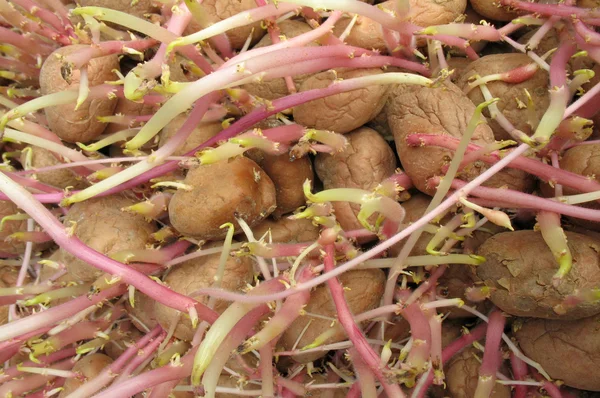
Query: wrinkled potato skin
x=277 y=88
x=89 y=367
x=218 y=10
x=524 y=265
x=454 y=282
x=414 y=208
x=462 y=374
x=537 y=86
x=342 y=112
x=61 y=178
x=201 y=133
x=365 y=33
x=517 y=180
x=430 y=12
x=366 y=161
x=10 y=227
x=366 y=289
x=442 y=110
x=139 y=9
x=285 y=230
x=221 y=192
x=101 y=225
x=459 y=65
x=77 y=125
x=199 y=273
x=566 y=350
x=491 y=9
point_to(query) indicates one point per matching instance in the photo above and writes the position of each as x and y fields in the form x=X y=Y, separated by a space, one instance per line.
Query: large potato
x=442 y=110
x=285 y=230
x=363 y=291
x=520 y=267
x=567 y=350
x=199 y=273
x=363 y=164
x=89 y=367
x=79 y=125
x=220 y=193
x=342 y=112
x=60 y=178
x=201 y=133
x=101 y=225
x=508 y=93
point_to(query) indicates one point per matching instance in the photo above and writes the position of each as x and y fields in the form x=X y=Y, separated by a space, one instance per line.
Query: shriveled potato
x=89 y=367
x=288 y=176
x=520 y=266
x=138 y=8
x=508 y=93
x=79 y=125
x=568 y=350
x=364 y=164
x=218 y=10
x=198 y=273
x=442 y=110
x=201 y=133
x=462 y=374
x=61 y=178
x=221 y=192
x=342 y=112
x=365 y=33
x=101 y=225
x=492 y=9
x=364 y=289
x=285 y=230
x=431 y=12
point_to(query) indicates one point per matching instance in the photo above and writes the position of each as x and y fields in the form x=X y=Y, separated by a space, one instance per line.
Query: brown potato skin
x=454 y=282
x=89 y=367
x=138 y=9
x=342 y=112
x=537 y=86
x=462 y=374
x=285 y=230
x=430 y=12
x=520 y=266
x=61 y=178
x=129 y=108
x=567 y=350
x=491 y=9
x=366 y=290
x=365 y=33
x=201 y=133
x=458 y=65
x=414 y=208
x=126 y=333
x=10 y=227
x=221 y=192
x=366 y=161
x=442 y=110
x=101 y=225
x=77 y=125
x=143 y=310
x=199 y=273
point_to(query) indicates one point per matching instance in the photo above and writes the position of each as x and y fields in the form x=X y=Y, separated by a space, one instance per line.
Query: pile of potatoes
x=264 y=190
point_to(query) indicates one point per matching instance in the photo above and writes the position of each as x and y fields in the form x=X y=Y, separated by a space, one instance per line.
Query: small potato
x=568 y=350
x=492 y=9
x=199 y=273
x=462 y=374
x=61 y=178
x=201 y=133
x=363 y=164
x=79 y=125
x=508 y=93
x=218 y=10
x=342 y=112
x=520 y=266
x=139 y=8
x=288 y=176
x=443 y=110
x=220 y=193
x=88 y=367
x=101 y=225
x=364 y=291
x=285 y=230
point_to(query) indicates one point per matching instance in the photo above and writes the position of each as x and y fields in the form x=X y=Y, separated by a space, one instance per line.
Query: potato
x=453 y=284
x=432 y=12
x=462 y=374
x=198 y=273
x=10 y=227
x=89 y=367
x=79 y=125
x=61 y=178
x=218 y=10
x=127 y=334
x=363 y=164
x=458 y=65
x=179 y=70
x=201 y=133
x=342 y=112
x=442 y=110
x=508 y=93
x=277 y=88
x=285 y=230
x=380 y=124
x=364 y=291
x=220 y=193
x=128 y=108
x=567 y=350
x=520 y=267
x=101 y=225
x=288 y=176
x=142 y=314
x=365 y=33
x=492 y=9
x=415 y=208
x=138 y=8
